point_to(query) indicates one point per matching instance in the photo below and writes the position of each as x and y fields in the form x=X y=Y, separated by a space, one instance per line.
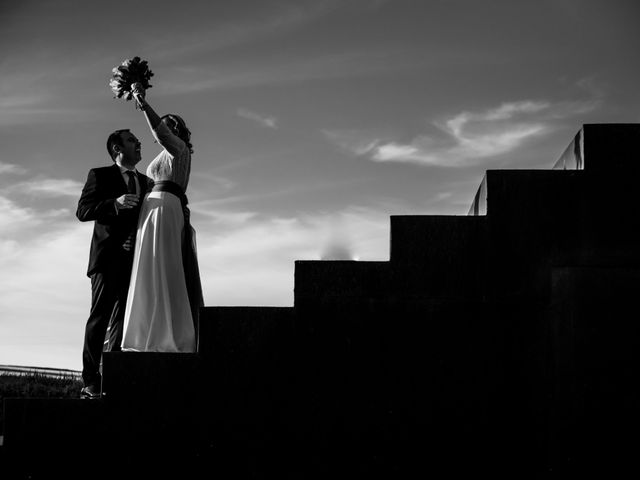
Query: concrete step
x=341 y=281
x=150 y=375
x=39 y=423
x=439 y=256
x=596 y=365
x=403 y=375
x=519 y=191
x=164 y=395
x=42 y=434
x=249 y=353
x=230 y=333
x=534 y=219
x=540 y=218
x=602 y=147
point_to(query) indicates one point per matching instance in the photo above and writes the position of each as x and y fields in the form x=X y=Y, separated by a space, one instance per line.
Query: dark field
x=30 y=385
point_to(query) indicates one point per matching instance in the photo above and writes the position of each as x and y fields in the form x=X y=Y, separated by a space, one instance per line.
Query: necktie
x=131 y=187
x=131 y=184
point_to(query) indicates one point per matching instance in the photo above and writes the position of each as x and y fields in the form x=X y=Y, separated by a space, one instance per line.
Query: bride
x=165 y=293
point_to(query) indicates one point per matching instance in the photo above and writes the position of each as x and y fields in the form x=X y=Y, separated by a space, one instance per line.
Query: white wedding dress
x=158 y=316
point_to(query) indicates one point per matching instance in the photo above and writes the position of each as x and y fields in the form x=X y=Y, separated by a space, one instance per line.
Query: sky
x=312 y=123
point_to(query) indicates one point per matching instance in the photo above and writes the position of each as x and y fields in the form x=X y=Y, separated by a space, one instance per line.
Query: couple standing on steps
x=145 y=282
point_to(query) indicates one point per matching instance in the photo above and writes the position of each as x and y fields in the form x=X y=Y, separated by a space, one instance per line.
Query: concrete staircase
x=504 y=342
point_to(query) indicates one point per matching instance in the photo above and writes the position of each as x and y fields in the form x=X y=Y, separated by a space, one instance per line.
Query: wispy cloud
x=22 y=101
x=17 y=108
x=11 y=168
x=48 y=188
x=17 y=221
x=495 y=131
x=283 y=69
x=238 y=32
x=468 y=137
x=225 y=219
x=254 y=198
x=31 y=97
x=352 y=141
x=268 y=121
x=14 y=217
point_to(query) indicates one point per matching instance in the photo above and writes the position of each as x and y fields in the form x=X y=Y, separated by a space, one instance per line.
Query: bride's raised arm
x=170 y=142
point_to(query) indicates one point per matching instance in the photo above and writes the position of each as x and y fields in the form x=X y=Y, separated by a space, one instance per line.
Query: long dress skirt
x=158 y=315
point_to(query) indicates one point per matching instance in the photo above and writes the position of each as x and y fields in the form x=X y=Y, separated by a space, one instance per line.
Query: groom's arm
x=92 y=204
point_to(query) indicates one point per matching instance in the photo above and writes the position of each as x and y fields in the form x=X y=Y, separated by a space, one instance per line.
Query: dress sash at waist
x=171 y=187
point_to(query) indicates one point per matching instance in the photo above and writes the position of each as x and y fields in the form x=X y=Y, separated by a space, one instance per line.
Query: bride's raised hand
x=138 y=93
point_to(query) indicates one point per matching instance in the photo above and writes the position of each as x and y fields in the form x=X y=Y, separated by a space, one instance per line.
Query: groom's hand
x=127 y=201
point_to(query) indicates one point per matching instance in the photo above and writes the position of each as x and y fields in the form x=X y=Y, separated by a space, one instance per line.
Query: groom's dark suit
x=109 y=263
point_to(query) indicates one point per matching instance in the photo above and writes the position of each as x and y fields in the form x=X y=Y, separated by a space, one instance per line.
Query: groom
x=111 y=198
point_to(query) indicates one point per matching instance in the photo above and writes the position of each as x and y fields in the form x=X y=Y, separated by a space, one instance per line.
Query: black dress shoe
x=90 y=391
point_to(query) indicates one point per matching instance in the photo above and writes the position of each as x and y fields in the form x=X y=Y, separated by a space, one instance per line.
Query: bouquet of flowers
x=126 y=74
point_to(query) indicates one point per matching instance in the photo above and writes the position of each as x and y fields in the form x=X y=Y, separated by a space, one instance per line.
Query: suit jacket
x=111 y=228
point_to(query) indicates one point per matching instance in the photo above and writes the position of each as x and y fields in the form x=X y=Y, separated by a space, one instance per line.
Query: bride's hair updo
x=179 y=128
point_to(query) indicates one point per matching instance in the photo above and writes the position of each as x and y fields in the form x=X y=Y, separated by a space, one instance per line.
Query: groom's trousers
x=109 y=288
